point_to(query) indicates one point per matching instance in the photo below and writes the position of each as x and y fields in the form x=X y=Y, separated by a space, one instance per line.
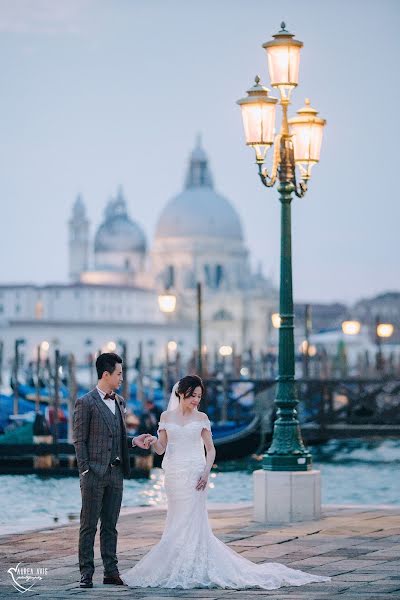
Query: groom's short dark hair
x=107 y=362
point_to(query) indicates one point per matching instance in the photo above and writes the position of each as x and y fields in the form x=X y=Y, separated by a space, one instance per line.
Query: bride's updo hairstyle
x=188 y=384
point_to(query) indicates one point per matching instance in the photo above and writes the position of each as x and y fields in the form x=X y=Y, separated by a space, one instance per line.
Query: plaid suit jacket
x=92 y=433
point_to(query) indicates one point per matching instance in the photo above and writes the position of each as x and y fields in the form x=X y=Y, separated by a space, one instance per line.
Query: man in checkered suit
x=101 y=445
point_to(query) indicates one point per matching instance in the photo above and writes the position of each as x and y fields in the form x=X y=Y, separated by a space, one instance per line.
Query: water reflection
x=353 y=472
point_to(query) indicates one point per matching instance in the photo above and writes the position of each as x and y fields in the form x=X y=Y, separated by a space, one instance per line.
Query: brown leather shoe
x=113 y=579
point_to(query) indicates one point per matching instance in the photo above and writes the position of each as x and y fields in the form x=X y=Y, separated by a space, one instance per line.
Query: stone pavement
x=357 y=546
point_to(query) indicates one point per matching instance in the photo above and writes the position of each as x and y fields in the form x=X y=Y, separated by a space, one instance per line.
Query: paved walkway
x=358 y=547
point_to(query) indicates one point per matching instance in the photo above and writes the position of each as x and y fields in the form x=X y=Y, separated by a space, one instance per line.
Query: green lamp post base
x=286 y=462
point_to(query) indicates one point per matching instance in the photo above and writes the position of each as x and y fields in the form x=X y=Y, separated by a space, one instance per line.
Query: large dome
x=118 y=233
x=199 y=211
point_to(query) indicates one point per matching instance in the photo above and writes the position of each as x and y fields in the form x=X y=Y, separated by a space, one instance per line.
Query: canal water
x=353 y=472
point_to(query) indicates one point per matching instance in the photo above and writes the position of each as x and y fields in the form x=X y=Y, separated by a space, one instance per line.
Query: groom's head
x=109 y=370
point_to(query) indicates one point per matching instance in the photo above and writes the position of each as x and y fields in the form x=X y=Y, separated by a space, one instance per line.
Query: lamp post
x=382 y=330
x=199 y=299
x=297 y=144
x=307 y=331
x=125 y=383
x=18 y=342
x=89 y=358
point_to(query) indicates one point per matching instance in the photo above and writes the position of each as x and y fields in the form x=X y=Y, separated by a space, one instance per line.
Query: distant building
x=115 y=279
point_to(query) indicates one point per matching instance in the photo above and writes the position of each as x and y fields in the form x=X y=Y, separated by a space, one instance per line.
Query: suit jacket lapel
x=103 y=408
x=118 y=402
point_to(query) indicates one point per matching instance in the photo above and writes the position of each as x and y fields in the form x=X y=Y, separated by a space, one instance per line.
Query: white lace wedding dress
x=188 y=554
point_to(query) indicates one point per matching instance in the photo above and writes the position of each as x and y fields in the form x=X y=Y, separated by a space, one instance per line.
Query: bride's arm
x=159 y=444
x=210 y=449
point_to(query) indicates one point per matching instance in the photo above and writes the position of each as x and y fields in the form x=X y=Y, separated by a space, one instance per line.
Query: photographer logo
x=24 y=578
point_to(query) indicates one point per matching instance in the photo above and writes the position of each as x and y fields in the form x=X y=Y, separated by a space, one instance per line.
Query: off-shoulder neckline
x=203 y=421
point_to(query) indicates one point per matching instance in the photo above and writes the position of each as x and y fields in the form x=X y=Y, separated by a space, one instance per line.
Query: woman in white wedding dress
x=188 y=554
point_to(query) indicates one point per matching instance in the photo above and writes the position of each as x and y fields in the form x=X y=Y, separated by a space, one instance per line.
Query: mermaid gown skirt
x=188 y=554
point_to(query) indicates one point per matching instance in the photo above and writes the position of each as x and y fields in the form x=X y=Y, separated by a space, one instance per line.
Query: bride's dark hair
x=188 y=384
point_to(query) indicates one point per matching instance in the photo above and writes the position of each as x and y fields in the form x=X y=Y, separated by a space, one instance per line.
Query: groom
x=101 y=446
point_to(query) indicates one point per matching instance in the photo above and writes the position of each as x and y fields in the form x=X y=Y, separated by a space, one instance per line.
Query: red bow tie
x=109 y=396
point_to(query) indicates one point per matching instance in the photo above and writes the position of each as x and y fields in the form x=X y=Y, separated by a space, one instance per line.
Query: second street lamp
x=297 y=144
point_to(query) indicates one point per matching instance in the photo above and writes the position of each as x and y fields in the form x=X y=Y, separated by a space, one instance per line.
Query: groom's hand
x=142 y=441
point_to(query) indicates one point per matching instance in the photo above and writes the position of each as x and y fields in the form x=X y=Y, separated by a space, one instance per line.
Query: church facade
x=116 y=277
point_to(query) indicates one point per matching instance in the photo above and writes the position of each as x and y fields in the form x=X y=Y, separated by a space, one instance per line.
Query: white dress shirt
x=110 y=403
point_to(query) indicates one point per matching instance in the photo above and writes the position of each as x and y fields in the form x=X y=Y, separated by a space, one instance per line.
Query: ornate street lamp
x=297 y=143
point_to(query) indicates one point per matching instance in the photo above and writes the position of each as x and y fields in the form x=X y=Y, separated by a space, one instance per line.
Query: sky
x=101 y=93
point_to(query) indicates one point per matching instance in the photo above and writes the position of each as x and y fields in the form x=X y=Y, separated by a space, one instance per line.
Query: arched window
x=219 y=275
x=170 y=277
x=208 y=277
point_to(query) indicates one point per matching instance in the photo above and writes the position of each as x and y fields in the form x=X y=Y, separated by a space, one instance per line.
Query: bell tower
x=78 y=240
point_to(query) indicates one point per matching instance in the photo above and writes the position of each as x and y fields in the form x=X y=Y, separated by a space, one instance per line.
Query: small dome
x=199 y=211
x=118 y=233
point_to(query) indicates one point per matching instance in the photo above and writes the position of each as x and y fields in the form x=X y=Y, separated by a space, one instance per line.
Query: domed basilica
x=116 y=278
x=198 y=238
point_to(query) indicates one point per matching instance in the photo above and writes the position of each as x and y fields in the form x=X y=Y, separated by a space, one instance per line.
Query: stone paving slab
x=358 y=547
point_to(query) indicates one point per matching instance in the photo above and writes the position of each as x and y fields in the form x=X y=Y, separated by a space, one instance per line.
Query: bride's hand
x=202 y=482
x=151 y=440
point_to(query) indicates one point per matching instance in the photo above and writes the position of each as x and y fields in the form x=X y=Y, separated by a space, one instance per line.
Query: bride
x=188 y=554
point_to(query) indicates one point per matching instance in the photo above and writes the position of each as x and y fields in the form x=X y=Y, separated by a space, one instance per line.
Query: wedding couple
x=188 y=554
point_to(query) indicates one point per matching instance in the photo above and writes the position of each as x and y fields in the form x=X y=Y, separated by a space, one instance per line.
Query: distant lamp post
x=90 y=357
x=18 y=342
x=382 y=330
x=124 y=355
x=307 y=351
x=297 y=144
x=167 y=303
x=351 y=327
x=200 y=349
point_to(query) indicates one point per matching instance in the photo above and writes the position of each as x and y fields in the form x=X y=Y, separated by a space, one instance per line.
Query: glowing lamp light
x=351 y=327
x=172 y=346
x=111 y=347
x=167 y=303
x=45 y=346
x=307 y=130
x=312 y=350
x=225 y=350
x=276 y=320
x=283 y=55
x=258 y=114
x=384 y=330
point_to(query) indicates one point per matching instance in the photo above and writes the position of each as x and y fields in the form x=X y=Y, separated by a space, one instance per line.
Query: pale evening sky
x=97 y=93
